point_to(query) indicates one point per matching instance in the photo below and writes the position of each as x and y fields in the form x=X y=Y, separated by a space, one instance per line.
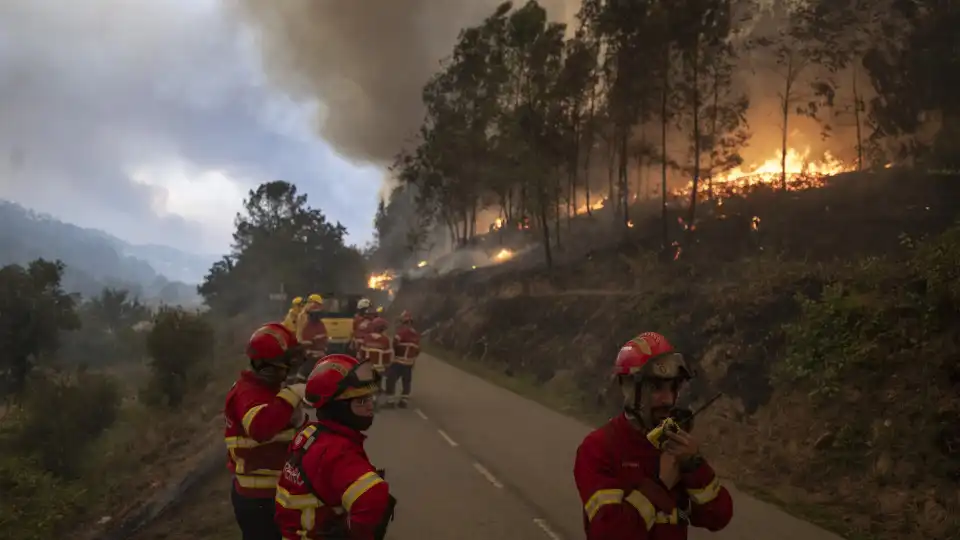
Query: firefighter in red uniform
x=360 y=321
x=312 y=334
x=630 y=489
x=406 y=349
x=261 y=419
x=328 y=488
x=376 y=346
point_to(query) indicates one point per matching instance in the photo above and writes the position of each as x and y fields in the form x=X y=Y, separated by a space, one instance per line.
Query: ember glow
x=503 y=255
x=381 y=281
x=802 y=173
x=592 y=207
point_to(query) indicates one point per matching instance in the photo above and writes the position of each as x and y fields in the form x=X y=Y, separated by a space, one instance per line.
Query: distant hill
x=96 y=259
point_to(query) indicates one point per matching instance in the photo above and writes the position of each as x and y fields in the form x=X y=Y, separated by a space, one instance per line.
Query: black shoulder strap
x=296 y=459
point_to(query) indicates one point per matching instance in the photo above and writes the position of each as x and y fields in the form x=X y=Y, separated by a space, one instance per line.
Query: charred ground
x=832 y=328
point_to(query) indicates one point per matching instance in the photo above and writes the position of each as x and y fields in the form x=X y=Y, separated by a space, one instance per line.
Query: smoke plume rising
x=366 y=61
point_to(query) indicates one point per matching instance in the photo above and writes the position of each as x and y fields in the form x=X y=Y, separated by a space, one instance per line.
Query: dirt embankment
x=836 y=342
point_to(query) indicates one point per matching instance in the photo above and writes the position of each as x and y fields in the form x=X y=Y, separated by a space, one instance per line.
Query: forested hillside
x=530 y=123
x=95 y=259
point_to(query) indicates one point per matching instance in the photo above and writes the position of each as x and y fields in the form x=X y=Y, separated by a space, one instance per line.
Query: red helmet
x=273 y=344
x=378 y=325
x=406 y=317
x=340 y=377
x=651 y=355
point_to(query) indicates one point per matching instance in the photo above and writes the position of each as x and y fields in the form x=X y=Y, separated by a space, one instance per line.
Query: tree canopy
x=281 y=242
x=34 y=309
x=538 y=122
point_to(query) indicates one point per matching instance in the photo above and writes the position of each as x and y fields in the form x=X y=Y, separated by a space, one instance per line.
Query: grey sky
x=151 y=120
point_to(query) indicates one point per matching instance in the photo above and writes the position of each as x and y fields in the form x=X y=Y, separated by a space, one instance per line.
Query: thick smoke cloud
x=366 y=60
x=151 y=120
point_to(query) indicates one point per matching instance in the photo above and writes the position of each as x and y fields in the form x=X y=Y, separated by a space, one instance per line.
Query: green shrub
x=937 y=263
x=35 y=501
x=177 y=343
x=878 y=312
x=62 y=417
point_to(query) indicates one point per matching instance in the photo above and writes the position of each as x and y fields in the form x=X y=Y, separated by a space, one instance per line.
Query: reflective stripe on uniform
x=705 y=494
x=406 y=358
x=247 y=442
x=603 y=497
x=358 y=488
x=291 y=501
x=600 y=499
x=672 y=518
x=644 y=506
x=260 y=481
x=249 y=416
x=289 y=396
x=244 y=443
x=362 y=391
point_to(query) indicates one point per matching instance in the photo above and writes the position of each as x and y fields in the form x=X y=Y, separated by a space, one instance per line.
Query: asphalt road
x=470 y=460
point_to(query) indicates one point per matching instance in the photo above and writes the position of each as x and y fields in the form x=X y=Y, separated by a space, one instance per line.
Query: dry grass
x=150 y=448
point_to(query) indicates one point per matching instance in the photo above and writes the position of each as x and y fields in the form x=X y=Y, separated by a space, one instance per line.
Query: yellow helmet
x=315 y=298
x=379 y=309
x=297 y=301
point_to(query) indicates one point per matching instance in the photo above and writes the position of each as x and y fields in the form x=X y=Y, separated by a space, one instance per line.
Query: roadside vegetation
x=108 y=403
x=840 y=378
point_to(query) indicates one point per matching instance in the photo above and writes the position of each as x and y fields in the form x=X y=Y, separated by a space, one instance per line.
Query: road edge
x=533 y=392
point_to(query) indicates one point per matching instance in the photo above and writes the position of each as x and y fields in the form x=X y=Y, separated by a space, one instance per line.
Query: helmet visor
x=670 y=365
x=362 y=381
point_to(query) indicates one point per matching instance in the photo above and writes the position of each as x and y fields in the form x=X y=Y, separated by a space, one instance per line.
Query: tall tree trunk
x=856 y=117
x=611 y=170
x=664 y=119
x=574 y=171
x=624 y=187
x=523 y=201
x=713 y=130
x=454 y=241
x=544 y=222
x=641 y=176
x=696 y=135
x=588 y=143
x=785 y=117
x=557 y=207
x=473 y=220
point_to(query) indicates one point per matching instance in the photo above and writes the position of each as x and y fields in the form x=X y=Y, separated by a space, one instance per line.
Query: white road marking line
x=421 y=415
x=447 y=438
x=542 y=523
x=488 y=475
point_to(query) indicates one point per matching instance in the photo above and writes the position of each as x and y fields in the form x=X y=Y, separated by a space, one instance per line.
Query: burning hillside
x=800 y=171
x=382 y=281
x=463 y=259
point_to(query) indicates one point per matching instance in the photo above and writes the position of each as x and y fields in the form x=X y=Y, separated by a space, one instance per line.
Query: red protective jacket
x=359 y=331
x=329 y=483
x=406 y=345
x=377 y=350
x=259 y=427
x=617 y=475
x=315 y=334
